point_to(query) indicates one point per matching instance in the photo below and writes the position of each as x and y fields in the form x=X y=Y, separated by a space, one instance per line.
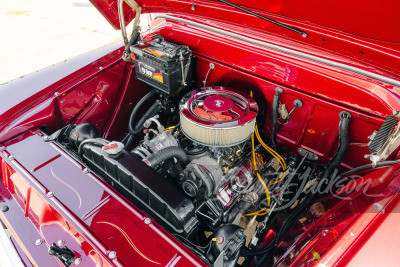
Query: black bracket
x=64 y=254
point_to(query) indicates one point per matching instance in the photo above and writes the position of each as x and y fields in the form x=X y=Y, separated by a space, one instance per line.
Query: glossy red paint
x=356 y=199
x=91 y=222
x=325 y=93
x=364 y=31
x=109 y=9
x=372 y=238
x=104 y=91
x=261 y=70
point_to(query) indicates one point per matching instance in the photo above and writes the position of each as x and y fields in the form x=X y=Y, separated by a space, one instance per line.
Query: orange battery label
x=155 y=52
x=158 y=77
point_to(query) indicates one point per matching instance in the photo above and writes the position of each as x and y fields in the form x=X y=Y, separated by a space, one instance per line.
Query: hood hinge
x=135 y=7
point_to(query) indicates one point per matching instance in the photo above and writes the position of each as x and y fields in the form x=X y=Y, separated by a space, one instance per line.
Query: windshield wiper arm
x=304 y=34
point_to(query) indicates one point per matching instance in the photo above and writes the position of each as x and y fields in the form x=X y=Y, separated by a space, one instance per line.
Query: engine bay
x=200 y=162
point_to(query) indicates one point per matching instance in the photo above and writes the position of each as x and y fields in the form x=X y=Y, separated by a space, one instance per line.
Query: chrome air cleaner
x=218 y=116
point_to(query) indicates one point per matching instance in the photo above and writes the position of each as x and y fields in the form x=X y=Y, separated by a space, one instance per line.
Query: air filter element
x=218 y=116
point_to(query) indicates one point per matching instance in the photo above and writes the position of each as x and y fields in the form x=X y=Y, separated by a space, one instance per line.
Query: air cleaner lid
x=219 y=107
x=218 y=103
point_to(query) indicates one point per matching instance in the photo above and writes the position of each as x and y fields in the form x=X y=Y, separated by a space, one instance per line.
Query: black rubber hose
x=265 y=252
x=132 y=41
x=128 y=141
x=167 y=153
x=275 y=105
x=154 y=109
x=157 y=36
x=309 y=200
x=146 y=41
x=345 y=118
x=201 y=151
x=91 y=141
x=136 y=108
x=370 y=166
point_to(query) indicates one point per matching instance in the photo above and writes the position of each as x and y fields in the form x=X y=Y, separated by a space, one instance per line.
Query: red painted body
x=101 y=89
x=362 y=32
x=92 y=222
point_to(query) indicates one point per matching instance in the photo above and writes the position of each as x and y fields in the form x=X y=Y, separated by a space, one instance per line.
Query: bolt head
x=46 y=138
x=112 y=255
x=38 y=242
x=60 y=243
x=378 y=206
x=4 y=208
x=56 y=94
x=278 y=90
x=11 y=157
x=147 y=221
x=85 y=170
x=77 y=261
x=50 y=194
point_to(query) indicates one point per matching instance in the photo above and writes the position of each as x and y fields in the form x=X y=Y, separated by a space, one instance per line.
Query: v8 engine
x=212 y=147
x=189 y=177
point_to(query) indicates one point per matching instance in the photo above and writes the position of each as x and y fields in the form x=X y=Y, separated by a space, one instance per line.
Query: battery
x=163 y=65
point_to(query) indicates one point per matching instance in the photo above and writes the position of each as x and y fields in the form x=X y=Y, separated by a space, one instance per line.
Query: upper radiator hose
x=164 y=154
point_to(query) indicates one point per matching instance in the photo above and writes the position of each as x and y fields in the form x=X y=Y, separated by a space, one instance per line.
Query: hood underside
x=365 y=32
x=368 y=19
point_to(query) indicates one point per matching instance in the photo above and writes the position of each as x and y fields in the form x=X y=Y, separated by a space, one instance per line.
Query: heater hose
x=275 y=105
x=135 y=110
x=345 y=118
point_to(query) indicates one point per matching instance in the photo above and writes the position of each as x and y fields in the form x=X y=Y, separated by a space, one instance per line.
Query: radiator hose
x=167 y=153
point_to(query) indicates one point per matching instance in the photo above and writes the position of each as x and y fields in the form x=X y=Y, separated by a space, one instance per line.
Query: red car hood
x=365 y=32
x=369 y=19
